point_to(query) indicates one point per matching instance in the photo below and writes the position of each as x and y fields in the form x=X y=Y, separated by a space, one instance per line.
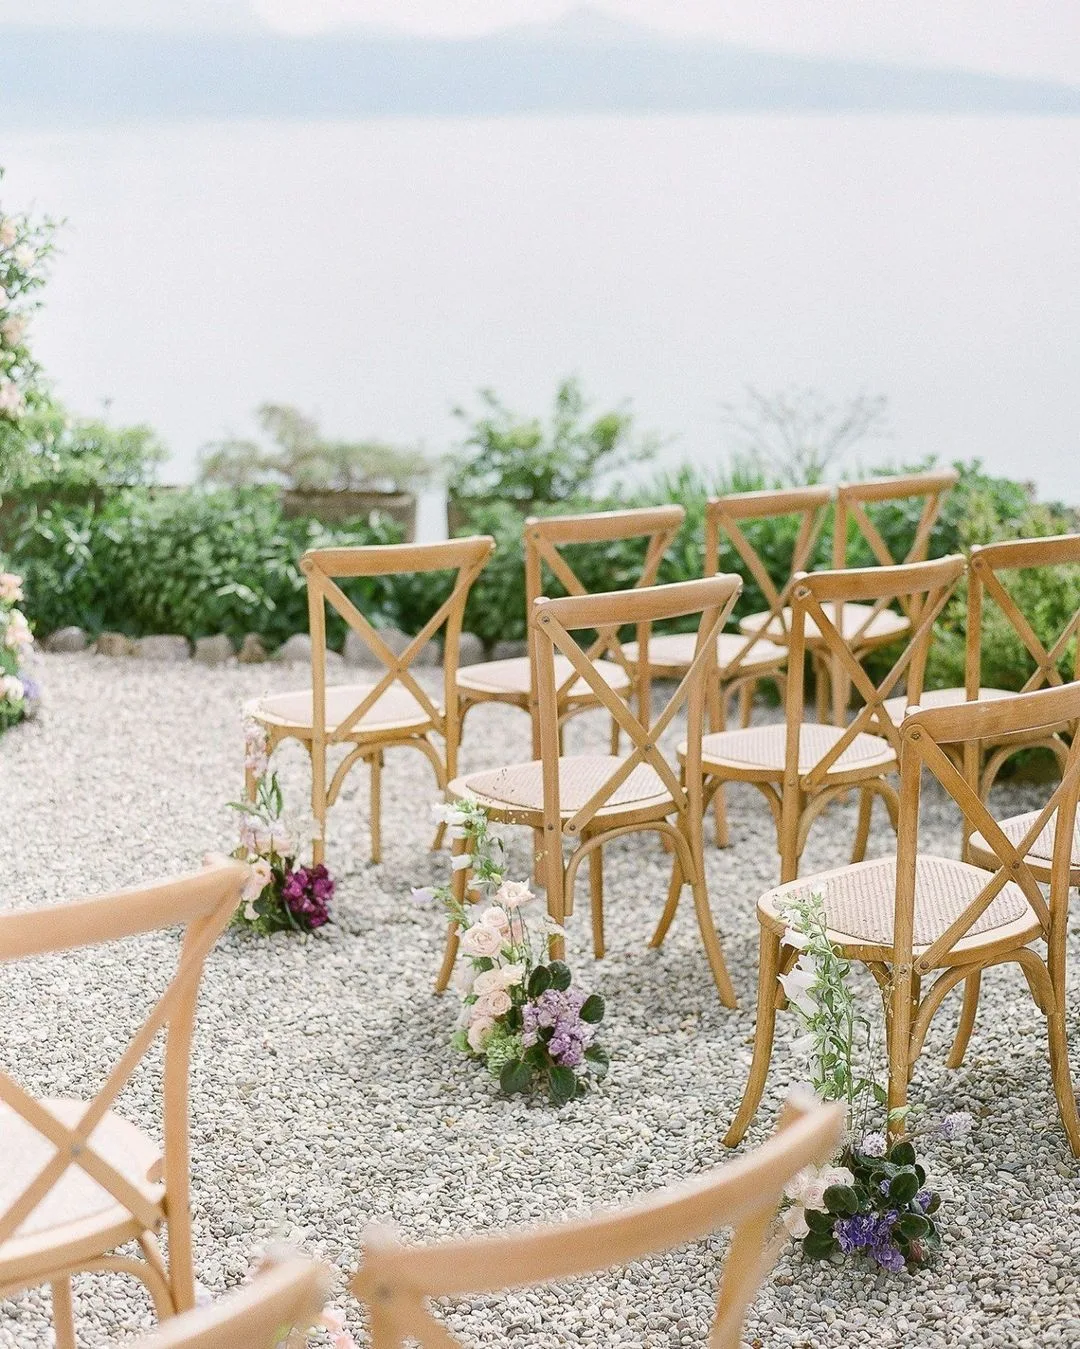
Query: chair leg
x=376 y=805
x=764 y=1033
x=674 y=893
x=459 y=885
x=792 y=807
x=63 y=1314
x=746 y=704
x=1059 y=1069
x=899 y=1046
x=718 y=722
x=967 y=1020
x=614 y=736
x=821 y=688
x=862 y=831
x=713 y=949
x=596 y=900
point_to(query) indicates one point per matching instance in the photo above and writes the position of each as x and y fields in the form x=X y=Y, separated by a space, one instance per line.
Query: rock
x=66 y=640
x=471 y=649
x=509 y=651
x=113 y=644
x=164 y=647
x=252 y=650
x=295 y=650
x=214 y=650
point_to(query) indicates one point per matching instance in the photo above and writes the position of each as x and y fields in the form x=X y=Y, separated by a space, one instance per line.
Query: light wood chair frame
x=802 y=797
x=852 y=501
x=543 y=538
x=955 y=956
x=203 y=903
x=291 y=1294
x=323 y=569
x=597 y=822
x=396 y=1283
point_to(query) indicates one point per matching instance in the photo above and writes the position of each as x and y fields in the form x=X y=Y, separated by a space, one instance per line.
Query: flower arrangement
x=18 y=690
x=874 y=1198
x=280 y=896
x=521 y=1014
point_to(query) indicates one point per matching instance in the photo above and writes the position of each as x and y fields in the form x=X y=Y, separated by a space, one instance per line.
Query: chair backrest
x=546 y=536
x=202 y=902
x=324 y=567
x=924 y=734
x=854 y=498
x=818 y=597
x=985 y=565
x=395 y=1282
x=555 y=622
x=725 y=517
x=256 y=1316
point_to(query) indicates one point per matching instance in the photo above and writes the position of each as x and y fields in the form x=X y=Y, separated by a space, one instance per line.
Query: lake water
x=378 y=272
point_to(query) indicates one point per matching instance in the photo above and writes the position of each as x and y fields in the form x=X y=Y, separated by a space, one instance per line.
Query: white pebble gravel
x=325 y=1095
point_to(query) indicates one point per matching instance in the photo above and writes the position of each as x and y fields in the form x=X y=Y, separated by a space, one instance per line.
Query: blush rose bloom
x=480 y=940
x=479 y=1032
x=8 y=233
x=512 y=894
x=496 y=918
x=794 y=1220
x=494 y=1003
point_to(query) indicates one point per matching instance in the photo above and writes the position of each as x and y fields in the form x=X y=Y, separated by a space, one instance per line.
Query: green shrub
x=182 y=561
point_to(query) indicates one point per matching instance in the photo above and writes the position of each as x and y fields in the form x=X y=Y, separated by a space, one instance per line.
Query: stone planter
x=333 y=508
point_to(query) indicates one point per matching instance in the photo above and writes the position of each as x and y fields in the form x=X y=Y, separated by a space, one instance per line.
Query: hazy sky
x=1021 y=37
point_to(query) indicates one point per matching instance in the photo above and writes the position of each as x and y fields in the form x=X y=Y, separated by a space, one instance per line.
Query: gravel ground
x=325 y=1095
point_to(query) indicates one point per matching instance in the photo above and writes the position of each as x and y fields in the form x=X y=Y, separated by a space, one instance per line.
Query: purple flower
x=923 y=1199
x=307 y=892
x=559 y=1012
x=871 y=1232
x=956 y=1127
x=422 y=894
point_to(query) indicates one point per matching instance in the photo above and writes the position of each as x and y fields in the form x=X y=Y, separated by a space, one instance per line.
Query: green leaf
x=515 y=1076
x=819 y=1246
x=913 y=1226
x=592 y=1009
x=560 y=976
x=934 y=1204
x=904 y=1187
x=818 y=1221
x=562 y=1084
x=841 y=1200
x=902 y=1154
x=599 y=1059
x=539 y=981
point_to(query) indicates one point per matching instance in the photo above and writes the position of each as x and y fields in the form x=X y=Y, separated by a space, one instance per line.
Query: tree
x=798 y=434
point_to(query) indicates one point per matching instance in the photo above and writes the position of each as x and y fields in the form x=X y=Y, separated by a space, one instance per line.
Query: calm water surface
x=377 y=272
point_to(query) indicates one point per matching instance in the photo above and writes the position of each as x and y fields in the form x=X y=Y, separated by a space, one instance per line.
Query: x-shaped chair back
x=396 y=1282
x=985 y=582
x=546 y=536
x=923 y=735
x=725 y=518
x=853 y=500
x=926 y=586
x=324 y=567
x=554 y=623
x=203 y=904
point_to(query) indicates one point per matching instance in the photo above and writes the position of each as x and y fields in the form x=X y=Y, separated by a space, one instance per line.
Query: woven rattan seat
x=885 y=625
x=580 y=775
x=1041 y=851
x=675 y=650
x=76 y=1198
x=860 y=900
x=513 y=676
x=763 y=747
x=395 y=710
x=896 y=707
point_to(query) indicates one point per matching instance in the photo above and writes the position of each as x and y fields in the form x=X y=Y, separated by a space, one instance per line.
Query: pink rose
x=480 y=940
x=512 y=894
x=493 y=1004
x=479 y=1033
x=259 y=878
x=495 y=918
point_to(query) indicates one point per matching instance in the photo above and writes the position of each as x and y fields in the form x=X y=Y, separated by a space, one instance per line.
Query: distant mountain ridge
x=587 y=63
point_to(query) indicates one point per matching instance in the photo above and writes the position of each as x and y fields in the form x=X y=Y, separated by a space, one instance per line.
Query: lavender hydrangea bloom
x=559 y=1012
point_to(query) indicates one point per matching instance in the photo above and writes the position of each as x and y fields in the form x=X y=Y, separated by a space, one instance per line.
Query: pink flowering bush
x=18 y=688
x=280 y=896
x=520 y=1013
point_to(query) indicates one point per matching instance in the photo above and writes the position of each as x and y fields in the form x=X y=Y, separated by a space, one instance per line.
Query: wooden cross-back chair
x=77 y=1180
x=511 y=681
x=870 y=626
x=588 y=799
x=256 y=1316
x=917 y=915
x=396 y=1283
x=990 y=568
x=391 y=711
x=800 y=768
x=757 y=650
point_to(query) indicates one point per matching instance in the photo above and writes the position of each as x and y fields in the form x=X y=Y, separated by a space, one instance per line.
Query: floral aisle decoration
x=874 y=1198
x=19 y=691
x=521 y=1014
x=281 y=895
